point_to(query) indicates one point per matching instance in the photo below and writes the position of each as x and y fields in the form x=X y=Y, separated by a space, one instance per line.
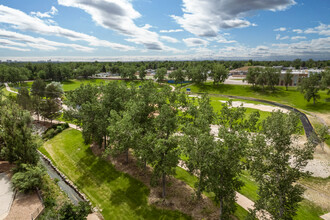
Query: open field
x=291 y=97
x=115 y=193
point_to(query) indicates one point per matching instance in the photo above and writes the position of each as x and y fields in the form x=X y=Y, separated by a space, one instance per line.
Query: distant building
x=298 y=75
x=242 y=71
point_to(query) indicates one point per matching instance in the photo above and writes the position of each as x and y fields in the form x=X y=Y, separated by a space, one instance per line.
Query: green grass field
x=307 y=209
x=74 y=84
x=291 y=97
x=117 y=194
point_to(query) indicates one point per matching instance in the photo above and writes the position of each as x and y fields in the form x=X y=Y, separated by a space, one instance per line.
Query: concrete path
x=326 y=216
x=9 y=89
x=6 y=195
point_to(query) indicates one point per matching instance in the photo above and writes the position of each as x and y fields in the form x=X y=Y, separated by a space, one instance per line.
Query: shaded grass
x=116 y=193
x=291 y=97
x=191 y=180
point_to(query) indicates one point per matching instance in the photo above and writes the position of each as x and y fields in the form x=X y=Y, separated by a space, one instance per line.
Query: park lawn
x=306 y=210
x=190 y=179
x=291 y=97
x=117 y=194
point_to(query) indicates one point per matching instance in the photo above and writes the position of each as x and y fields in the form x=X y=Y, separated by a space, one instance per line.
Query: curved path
x=304 y=120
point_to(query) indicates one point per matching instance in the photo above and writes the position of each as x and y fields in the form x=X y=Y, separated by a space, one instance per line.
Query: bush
x=28 y=177
x=54 y=130
x=69 y=211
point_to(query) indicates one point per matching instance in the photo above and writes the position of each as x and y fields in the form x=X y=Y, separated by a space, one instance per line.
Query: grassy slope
x=116 y=193
x=307 y=210
x=291 y=97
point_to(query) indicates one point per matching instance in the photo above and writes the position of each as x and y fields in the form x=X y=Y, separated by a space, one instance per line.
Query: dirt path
x=24 y=206
x=261 y=107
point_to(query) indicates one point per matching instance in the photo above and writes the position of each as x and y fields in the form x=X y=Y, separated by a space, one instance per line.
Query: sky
x=134 y=30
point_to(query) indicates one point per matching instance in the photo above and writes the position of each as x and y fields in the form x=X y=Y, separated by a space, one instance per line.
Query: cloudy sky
x=107 y=30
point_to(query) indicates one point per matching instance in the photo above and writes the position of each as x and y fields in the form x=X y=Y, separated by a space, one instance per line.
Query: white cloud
x=280 y=29
x=169 y=39
x=322 y=29
x=36 y=42
x=278 y=37
x=53 y=11
x=194 y=42
x=207 y=17
x=22 y=21
x=118 y=15
x=298 y=31
x=298 y=37
x=171 y=31
x=14 y=48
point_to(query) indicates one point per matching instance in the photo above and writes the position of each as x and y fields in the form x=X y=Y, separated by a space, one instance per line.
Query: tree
x=38 y=88
x=273 y=77
x=54 y=90
x=178 y=76
x=160 y=74
x=225 y=163
x=325 y=81
x=323 y=134
x=276 y=163
x=262 y=78
x=288 y=78
x=131 y=73
x=50 y=109
x=24 y=99
x=17 y=143
x=219 y=73
x=310 y=87
x=252 y=76
x=165 y=151
x=28 y=177
x=72 y=212
x=198 y=143
x=142 y=72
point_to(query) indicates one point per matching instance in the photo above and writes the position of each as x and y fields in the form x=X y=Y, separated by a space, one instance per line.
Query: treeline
x=18 y=72
x=157 y=126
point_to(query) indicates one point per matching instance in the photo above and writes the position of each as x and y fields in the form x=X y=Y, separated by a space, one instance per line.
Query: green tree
x=17 y=143
x=28 y=178
x=262 y=78
x=142 y=72
x=225 y=165
x=219 y=73
x=325 y=81
x=273 y=77
x=24 y=99
x=50 y=109
x=38 y=88
x=310 y=87
x=198 y=143
x=54 y=90
x=72 y=212
x=276 y=164
x=160 y=74
x=252 y=76
x=178 y=76
x=288 y=78
x=323 y=135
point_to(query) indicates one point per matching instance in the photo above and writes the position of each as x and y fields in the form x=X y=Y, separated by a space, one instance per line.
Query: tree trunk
x=221 y=209
x=127 y=156
x=313 y=100
x=286 y=87
x=199 y=193
x=164 y=185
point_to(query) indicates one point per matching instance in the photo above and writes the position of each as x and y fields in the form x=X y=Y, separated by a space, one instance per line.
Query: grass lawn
x=291 y=97
x=307 y=210
x=117 y=194
x=189 y=179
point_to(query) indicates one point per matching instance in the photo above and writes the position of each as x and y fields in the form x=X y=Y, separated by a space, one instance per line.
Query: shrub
x=28 y=177
x=54 y=130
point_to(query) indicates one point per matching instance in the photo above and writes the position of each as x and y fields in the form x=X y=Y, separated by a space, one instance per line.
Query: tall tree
x=198 y=143
x=24 y=99
x=288 y=78
x=252 y=76
x=219 y=73
x=276 y=163
x=178 y=76
x=50 y=109
x=160 y=74
x=54 y=90
x=326 y=80
x=310 y=87
x=142 y=72
x=38 y=88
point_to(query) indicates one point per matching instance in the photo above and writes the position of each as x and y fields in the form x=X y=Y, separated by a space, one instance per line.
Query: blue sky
x=109 y=30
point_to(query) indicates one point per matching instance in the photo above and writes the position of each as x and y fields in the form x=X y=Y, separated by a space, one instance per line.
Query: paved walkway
x=9 y=89
x=6 y=195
